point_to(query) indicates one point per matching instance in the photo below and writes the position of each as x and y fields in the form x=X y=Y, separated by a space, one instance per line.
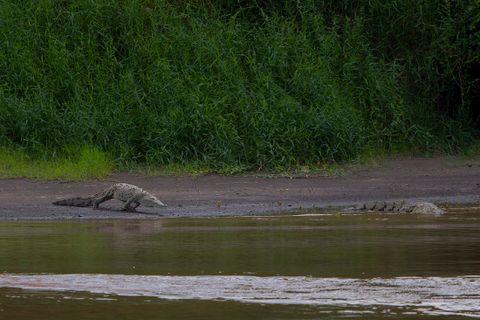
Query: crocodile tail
x=75 y=202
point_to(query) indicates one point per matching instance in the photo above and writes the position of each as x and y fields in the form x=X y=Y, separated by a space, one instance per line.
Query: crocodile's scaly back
x=75 y=202
x=415 y=207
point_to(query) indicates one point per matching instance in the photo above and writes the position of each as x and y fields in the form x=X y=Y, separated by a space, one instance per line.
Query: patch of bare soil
x=442 y=180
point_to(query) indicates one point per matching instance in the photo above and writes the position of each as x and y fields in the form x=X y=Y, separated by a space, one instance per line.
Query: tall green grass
x=84 y=163
x=227 y=85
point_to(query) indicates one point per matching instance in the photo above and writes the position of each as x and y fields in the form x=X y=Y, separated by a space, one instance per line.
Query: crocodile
x=132 y=197
x=419 y=207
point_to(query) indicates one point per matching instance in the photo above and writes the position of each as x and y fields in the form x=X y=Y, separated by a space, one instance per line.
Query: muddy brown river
x=312 y=266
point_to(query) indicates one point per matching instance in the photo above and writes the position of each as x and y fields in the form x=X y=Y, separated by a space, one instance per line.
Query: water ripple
x=427 y=295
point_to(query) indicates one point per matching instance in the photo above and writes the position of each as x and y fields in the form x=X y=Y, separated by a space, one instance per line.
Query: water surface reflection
x=317 y=248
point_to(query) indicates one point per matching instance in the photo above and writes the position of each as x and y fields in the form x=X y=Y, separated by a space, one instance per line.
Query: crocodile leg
x=131 y=204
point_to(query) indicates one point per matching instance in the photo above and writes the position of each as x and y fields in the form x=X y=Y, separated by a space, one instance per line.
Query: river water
x=371 y=266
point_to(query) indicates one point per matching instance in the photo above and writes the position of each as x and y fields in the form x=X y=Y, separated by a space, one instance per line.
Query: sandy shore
x=443 y=180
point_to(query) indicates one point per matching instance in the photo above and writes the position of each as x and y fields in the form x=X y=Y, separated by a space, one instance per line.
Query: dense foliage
x=250 y=84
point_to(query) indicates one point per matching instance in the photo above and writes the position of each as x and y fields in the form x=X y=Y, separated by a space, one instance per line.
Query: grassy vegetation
x=90 y=163
x=230 y=85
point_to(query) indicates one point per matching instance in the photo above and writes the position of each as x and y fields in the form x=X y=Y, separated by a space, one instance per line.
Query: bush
x=253 y=84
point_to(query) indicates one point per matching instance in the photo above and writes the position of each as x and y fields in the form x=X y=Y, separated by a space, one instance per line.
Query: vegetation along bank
x=90 y=86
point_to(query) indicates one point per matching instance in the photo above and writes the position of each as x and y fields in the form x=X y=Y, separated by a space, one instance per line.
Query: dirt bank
x=445 y=180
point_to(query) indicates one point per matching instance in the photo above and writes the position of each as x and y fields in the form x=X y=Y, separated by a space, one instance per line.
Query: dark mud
x=442 y=180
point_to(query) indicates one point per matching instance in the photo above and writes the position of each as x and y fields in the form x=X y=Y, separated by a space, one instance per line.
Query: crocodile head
x=426 y=208
x=151 y=201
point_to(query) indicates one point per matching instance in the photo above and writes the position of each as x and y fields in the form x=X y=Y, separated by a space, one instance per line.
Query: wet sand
x=442 y=180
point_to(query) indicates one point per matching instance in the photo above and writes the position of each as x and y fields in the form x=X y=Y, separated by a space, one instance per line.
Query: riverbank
x=443 y=180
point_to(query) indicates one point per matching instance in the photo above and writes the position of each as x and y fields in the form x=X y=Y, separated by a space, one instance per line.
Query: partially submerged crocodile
x=396 y=206
x=132 y=197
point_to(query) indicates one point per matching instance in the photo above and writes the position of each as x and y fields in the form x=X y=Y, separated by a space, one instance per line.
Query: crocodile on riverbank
x=396 y=206
x=132 y=197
